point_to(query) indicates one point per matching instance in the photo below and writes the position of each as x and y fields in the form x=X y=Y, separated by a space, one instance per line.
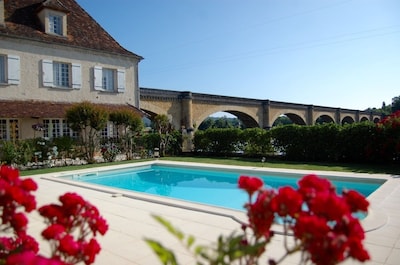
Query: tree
x=395 y=104
x=164 y=128
x=87 y=119
x=128 y=124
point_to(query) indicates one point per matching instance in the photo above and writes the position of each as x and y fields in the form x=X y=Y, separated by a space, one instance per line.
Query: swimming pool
x=205 y=185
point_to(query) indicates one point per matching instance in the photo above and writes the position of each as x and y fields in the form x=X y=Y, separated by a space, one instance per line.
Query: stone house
x=54 y=54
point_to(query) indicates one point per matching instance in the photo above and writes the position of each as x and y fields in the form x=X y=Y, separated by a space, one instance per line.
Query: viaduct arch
x=186 y=110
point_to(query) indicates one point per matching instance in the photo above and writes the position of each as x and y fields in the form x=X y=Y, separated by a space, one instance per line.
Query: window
x=55 y=24
x=9 y=129
x=67 y=131
x=3 y=69
x=3 y=130
x=9 y=69
x=108 y=131
x=61 y=74
x=110 y=80
x=54 y=21
x=55 y=128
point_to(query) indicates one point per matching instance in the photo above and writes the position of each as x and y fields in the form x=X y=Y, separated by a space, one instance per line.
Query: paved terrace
x=129 y=218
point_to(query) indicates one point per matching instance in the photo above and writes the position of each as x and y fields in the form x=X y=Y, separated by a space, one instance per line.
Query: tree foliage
x=128 y=124
x=88 y=119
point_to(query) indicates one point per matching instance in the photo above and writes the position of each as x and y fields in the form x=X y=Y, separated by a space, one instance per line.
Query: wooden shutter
x=98 y=78
x=13 y=70
x=76 y=76
x=121 y=80
x=47 y=67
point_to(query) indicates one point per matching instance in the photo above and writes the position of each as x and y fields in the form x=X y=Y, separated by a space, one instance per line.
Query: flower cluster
x=72 y=225
x=391 y=121
x=322 y=222
x=389 y=127
x=316 y=221
x=109 y=151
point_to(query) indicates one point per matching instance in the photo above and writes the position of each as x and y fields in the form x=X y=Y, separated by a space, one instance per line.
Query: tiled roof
x=83 y=31
x=46 y=109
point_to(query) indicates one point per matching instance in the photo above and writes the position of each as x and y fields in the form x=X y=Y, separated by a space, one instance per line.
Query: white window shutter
x=121 y=80
x=13 y=63
x=76 y=76
x=47 y=67
x=98 y=78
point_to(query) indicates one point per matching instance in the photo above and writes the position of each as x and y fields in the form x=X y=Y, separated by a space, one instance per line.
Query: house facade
x=54 y=54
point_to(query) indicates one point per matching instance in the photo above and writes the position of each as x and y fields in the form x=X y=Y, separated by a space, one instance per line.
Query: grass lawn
x=240 y=161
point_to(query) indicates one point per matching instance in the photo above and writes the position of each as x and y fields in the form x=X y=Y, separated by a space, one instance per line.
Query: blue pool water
x=214 y=187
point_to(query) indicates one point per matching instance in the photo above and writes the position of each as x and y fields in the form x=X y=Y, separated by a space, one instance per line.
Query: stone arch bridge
x=187 y=110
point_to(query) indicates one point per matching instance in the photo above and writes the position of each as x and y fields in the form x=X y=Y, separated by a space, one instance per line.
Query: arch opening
x=228 y=119
x=348 y=120
x=288 y=118
x=324 y=119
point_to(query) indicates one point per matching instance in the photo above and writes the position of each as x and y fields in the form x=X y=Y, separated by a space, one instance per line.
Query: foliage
x=72 y=225
x=149 y=141
x=109 y=151
x=395 y=104
x=8 y=153
x=164 y=129
x=389 y=130
x=307 y=143
x=88 y=119
x=316 y=221
x=65 y=145
x=355 y=139
x=218 y=141
x=128 y=125
x=256 y=142
x=220 y=122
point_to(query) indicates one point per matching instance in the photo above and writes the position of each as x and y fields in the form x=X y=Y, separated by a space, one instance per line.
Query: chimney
x=2 y=15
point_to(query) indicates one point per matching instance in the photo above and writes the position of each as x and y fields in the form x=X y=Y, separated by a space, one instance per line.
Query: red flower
x=30 y=258
x=310 y=227
x=29 y=185
x=261 y=215
x=90 y=251
x=53 y=212
x=54 y=231
x=68 y=245
x=287 y=202
x=330 y=206
x=311 y=185
x=250 y=184
x=19 y=222
x=71 y=203
x=357 y=251
x=356 y=201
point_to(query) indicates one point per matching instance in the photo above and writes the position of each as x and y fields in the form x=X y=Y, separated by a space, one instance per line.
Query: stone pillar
x=337 y=117
x=310 y=115
x=186 y=110
x=266 y=123
x=187 y=121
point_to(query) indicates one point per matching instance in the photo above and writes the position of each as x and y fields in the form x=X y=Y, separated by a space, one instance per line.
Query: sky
x=336 y=53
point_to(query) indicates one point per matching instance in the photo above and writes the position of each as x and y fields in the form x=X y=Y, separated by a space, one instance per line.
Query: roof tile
x=45 y=109
x=83 y=31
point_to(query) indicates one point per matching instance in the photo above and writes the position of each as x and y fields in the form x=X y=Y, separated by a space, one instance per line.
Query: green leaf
x=190 y=241
x=169 y=227
x=165 y=255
